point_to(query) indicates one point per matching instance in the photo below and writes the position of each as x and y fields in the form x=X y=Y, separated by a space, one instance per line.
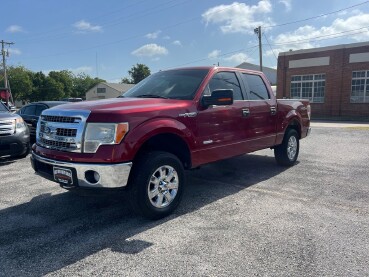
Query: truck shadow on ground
x=53 y=231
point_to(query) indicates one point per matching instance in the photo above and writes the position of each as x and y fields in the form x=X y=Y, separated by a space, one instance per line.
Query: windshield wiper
x=151 y=96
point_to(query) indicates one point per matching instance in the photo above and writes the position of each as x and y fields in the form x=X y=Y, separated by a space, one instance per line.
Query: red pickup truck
x=171 y=121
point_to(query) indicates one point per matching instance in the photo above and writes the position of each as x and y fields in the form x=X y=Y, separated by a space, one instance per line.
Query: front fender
x=140 y=134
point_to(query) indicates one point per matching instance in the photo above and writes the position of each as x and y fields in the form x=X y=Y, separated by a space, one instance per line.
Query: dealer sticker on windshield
x=63 y=175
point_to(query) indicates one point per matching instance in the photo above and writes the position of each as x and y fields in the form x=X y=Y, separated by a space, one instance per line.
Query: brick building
x=335 y=79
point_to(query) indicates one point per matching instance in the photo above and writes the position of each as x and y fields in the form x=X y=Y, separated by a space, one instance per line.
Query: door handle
x=245 y=112
x=273 y=110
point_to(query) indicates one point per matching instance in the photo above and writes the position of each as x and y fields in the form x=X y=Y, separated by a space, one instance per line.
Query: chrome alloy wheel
x=292 y=148
x=163 y=186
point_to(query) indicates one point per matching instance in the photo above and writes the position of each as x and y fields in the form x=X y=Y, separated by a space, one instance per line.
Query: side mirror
x=219 y=97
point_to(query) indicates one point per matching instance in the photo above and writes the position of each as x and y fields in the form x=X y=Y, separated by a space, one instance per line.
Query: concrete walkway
x=340 y=124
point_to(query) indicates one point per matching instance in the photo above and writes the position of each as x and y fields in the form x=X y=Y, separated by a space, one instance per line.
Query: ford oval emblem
x=47 y=130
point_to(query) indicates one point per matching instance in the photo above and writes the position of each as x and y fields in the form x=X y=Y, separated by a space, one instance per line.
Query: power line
x=127 y=38
x=207 y=58
x=314 y=17
x=270 y=46
x=117 y=21
x=330 y=36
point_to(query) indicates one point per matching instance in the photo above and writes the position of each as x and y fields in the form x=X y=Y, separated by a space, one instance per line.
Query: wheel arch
x=295 y=124
x=167 y=142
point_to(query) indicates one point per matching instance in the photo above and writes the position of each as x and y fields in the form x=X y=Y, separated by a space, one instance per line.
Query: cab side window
x=225 y=80
x=39 y=109
x=29 y=110
x=257 y=88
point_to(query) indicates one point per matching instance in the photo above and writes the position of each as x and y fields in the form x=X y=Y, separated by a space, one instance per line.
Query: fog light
x=92 y=176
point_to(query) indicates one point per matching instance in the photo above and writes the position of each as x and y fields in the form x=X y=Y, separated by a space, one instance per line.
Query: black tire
x=286 y=153
x=151 y=187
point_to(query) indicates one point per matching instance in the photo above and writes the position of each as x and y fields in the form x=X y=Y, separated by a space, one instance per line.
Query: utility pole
x=257 y=31
x=3 y=53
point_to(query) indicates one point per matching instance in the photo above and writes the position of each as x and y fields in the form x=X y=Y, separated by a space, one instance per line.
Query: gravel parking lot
x=240 y=217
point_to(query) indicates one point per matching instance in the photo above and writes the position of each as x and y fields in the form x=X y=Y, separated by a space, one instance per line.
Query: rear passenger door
x=263 y=112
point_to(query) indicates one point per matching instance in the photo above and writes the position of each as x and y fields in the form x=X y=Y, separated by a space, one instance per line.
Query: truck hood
x=110 y=110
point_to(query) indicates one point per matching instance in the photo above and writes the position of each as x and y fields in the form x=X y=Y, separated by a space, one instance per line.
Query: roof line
x=325 y=48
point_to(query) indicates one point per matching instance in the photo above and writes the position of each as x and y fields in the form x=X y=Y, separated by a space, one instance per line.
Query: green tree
x=66 y=79
x=20 y=80
x=38 y=80
x=82 y=83
x=52 y=90
x=137 y=73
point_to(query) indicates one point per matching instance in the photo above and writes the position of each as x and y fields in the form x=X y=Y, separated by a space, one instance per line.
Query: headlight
x=103 y=133
x=19 y=124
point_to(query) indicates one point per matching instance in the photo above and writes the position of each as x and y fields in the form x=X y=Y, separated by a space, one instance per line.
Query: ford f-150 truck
x=171 y=121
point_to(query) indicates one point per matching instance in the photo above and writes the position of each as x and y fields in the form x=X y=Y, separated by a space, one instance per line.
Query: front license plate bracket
x=63 y=175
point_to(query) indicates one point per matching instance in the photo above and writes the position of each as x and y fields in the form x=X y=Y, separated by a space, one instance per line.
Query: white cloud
x=166 y=37
x=214 y=54
x=286 y=3
x=114 y=80
x=150 y=50
x=75 y=71
x=239 y=58
x=308 y=36
x=153 y=35
x=84 y=26
x=81 y=69
x=14 y=51
x=239 y=17
x=14 y=29
x=177 y=42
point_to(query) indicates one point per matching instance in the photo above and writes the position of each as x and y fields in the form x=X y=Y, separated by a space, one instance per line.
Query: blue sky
x=106 y=38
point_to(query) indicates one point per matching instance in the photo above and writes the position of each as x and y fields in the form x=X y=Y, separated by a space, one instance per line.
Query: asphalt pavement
x=244 y=216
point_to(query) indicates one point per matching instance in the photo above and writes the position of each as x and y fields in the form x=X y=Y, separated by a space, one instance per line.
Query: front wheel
x=156 y=184
x=286 y=153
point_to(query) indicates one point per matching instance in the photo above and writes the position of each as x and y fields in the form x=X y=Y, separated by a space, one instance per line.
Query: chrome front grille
x=7 y=127
x=61 y=130
x=62 y=119
x=58 y=144
x=66 y=132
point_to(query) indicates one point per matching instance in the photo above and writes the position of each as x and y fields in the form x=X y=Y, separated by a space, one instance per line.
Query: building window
x=101 y=90
x=310 y=87
x=360 y=87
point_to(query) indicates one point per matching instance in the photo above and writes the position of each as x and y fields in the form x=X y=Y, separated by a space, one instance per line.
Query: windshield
x=3 y=108
x=173 y=84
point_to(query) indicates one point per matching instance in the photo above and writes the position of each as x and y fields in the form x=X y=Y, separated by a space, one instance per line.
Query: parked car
x=14 y=134
x=31 y=113
x=72 y=99
x=171 y=121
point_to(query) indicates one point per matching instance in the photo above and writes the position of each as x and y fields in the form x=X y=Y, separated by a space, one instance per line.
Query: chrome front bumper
x=111 y=175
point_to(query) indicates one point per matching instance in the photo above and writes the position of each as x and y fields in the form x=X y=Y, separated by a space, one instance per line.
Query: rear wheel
x=156 y=184
x=286 y=153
